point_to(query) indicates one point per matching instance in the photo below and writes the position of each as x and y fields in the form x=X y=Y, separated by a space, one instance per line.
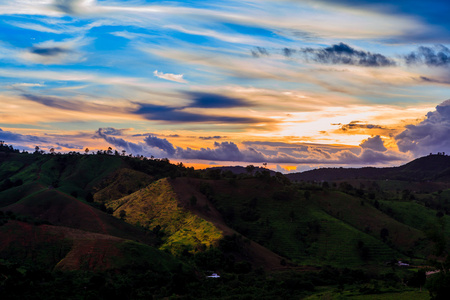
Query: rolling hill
x=103 y=212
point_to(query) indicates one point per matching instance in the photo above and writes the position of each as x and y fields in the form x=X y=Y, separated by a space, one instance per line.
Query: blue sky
x=295 y=84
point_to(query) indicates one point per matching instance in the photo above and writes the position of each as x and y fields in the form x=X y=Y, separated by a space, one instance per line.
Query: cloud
x=344 y=54
x=70 y=146
x=119 y=142
x=162 y=144
x=73 y=7
x=72 y=105
x=374 y=143
x=437 y=56
x=147 y=148
x=429 y=136
x=360 y=127
x=49 y=51
x=180 y=115
x=211 y=100
x=444 y=81
x=288 y=52
x=20 y=139
x=172 y=77
x=216 y=137
x=225 y=151
x=229 y=151
x=433 y=15
x=259 y=51
x=112 y=131
x=355 y=125
x=56 y=53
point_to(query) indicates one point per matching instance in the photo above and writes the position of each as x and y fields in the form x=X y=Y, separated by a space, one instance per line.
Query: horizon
x=296 y=85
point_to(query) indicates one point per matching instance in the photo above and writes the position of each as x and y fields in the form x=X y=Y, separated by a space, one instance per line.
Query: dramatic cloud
x=344 y=54
x=429 y=136
x=225 y=151
x=112 y=131
x=356 y=125
x=120 y=143
x=172 y=77
x=162 y=144
x=180 y=115
x=370 y=153
x=374 y=143
x=211 y=100
x=216 y=137
x=438 y=56
x=69 y=146
x=18 y=139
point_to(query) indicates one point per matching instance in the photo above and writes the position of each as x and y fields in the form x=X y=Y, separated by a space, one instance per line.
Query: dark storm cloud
x=225 y=151
x=216 y=137
x=70 y=146
x=354 y=125
x=119 y=142
x=211 y=100
x=11 y=137
x=162 y=144
x=112 y=131
x=50 y=51
x=437 y=56
x=179 y=115
x=344 y=54
x=259 y=51
x=429 y=136
x=288 y=52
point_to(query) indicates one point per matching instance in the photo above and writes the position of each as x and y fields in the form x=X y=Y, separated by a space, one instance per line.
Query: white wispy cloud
x=172 y=77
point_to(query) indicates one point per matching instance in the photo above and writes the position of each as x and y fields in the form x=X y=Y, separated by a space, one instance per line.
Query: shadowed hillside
x=432 y=167
x=165 y=227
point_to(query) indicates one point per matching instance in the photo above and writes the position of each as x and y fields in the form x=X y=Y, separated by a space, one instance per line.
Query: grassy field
x=403 y=295
x=157 y=205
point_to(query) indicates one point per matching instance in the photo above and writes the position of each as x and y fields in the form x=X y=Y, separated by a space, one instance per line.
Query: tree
x=86 y=150
x=193 y=200
x=307 y=195
x=250 y=169
x=52 y=151
x=122 y=214
x=384 y=233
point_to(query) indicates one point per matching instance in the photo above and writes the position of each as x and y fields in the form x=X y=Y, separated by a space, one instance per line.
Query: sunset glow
x=294 y=84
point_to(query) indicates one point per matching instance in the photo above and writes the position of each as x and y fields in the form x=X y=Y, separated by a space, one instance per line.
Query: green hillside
x=154 y=228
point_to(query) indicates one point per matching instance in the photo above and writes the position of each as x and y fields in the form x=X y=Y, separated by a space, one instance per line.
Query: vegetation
x=103 y=225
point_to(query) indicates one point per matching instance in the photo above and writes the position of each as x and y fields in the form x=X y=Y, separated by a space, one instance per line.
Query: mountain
x=150 y=227
x=428 y=168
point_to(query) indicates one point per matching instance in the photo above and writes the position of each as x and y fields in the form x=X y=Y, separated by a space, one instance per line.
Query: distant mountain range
x=433 y=167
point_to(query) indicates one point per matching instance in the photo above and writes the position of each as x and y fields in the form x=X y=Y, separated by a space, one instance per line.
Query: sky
x=294 y=84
